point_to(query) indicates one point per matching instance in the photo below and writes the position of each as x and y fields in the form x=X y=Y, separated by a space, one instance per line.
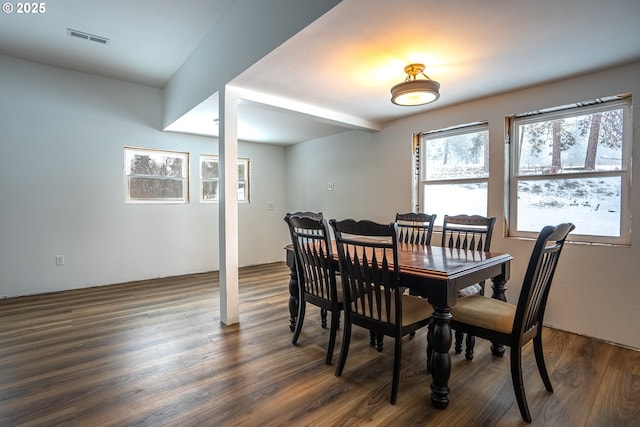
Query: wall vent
x=86 y=36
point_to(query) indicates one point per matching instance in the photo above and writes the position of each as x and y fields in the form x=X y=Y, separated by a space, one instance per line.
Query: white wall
x=62 y=135
x=596 y=291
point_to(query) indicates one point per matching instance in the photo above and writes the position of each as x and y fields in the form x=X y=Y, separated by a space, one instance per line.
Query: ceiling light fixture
x=412 y=91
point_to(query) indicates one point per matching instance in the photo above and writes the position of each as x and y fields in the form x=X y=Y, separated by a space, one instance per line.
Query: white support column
x=228 y=207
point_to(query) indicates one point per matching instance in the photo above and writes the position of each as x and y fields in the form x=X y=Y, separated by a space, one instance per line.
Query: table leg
x=440 y=360
x=293 y=296
x=499 y=286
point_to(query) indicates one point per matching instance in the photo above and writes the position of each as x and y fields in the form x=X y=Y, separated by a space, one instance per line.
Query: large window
x=452 y=171
x=572 y=164
x=154 y=176
x=210 y=179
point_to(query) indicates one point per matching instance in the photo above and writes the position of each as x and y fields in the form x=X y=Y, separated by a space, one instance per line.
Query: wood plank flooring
x=154 y=353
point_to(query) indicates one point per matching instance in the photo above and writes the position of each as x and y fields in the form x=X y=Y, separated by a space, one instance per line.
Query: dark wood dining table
x=438 y=273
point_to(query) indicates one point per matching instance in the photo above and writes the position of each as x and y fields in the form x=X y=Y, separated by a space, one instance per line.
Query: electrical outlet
x=330 y=186
x=271 y=206
x=59 y=260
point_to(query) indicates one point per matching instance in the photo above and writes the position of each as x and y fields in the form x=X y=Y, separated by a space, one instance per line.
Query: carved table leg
x=440 y=360
x=293 y=297
x=499 y=286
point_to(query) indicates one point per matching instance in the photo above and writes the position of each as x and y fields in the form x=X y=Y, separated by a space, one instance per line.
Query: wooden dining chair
x=515 y=325
x=318 y=216
x=415 y=228
x=471 y=232
x=368 y=259
x=317 y=281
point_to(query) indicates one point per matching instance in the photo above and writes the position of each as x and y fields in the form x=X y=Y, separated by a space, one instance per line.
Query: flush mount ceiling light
x=415 y=91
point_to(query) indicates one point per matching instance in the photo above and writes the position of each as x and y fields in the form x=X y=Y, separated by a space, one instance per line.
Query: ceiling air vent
x=87 y=36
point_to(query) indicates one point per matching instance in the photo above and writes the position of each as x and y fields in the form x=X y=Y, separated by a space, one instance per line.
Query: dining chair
x=415 y=228
x=317 y=274
x=515 y=325
x=318 y=216
x=368 y=260
x=467 y=232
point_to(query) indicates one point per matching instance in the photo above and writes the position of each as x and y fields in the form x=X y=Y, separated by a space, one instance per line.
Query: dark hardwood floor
x=154 y=353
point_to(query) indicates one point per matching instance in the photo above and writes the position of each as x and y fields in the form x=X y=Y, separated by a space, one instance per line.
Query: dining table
x=437 y=273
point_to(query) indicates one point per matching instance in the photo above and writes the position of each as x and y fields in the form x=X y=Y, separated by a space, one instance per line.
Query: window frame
x=246 y=182
x=575 y=110
x=152 y=151
x=420 y=180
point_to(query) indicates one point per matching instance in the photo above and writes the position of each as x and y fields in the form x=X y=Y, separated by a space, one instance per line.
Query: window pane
x=210 y=190
x=155 y=189
x=455 y=199
x=590 y=142
x=593 y=205
x=457 y=156
x=155 y=164
x=209 y=169
x=242 y=192
x=241 y=170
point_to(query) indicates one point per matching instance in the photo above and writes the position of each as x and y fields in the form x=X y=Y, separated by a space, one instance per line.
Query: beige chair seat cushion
x=485 y=312
x=414 y=309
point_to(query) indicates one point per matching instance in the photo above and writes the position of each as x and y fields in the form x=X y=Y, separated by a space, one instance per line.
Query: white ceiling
x=336 y=74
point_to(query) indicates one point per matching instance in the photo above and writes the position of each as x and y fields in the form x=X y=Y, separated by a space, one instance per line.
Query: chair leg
x=429 y=346
x=379 y=342
x=335 y=319
x=346 y=337
x=518 y=383
x=397 y=358
x=542 y=368
x=419 y=294
x=458 y=345
x=323 y=318
x=470 y=343
x=301 y=310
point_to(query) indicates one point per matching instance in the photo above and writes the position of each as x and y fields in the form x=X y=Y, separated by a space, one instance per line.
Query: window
x=572 y=164
x=154 y=176
x=452 y=171
x=210 y=177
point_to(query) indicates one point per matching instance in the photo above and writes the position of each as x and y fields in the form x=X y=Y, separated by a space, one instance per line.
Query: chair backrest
x=538 y=278
x=368 y=254
x=467 y=232
x=313 y=255
x=315 y=215
x=415 y=228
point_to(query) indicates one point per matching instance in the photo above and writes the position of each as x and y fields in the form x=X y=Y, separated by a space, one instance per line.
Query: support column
x=228 y=206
